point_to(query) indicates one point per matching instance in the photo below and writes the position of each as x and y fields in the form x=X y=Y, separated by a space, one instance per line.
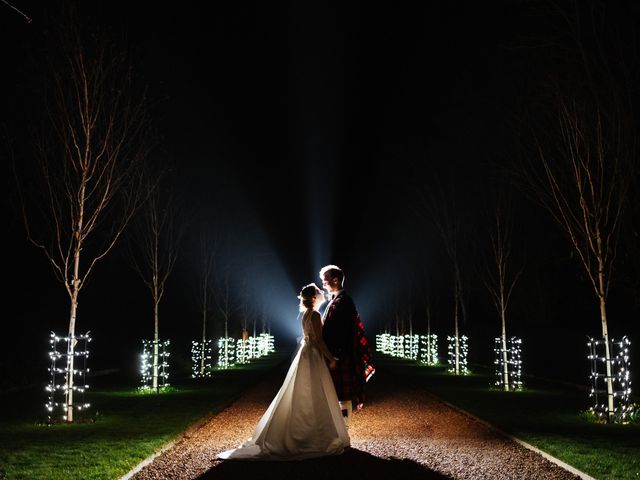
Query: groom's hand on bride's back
x=332 y=364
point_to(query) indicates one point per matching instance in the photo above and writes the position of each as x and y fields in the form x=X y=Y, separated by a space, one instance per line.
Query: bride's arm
x=317 y=330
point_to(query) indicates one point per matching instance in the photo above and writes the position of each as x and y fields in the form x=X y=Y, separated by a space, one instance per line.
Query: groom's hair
x=334 y=272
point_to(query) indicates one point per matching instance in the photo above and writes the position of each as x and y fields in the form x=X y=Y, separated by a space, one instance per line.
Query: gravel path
x=401 y=433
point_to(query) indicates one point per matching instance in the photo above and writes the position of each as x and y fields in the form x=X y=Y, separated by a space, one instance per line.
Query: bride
x=304 y=419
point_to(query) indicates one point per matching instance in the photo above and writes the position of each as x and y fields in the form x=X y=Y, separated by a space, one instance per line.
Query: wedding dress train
x=304 y=419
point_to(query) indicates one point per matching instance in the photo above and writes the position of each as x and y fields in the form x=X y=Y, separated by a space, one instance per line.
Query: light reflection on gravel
x=401 y=433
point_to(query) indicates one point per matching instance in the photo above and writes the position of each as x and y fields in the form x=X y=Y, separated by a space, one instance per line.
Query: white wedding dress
x=304 y=419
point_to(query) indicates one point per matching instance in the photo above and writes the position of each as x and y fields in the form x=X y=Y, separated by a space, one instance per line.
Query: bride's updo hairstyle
x=308 y=296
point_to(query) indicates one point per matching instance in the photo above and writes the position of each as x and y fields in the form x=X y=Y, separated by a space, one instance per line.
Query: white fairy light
x=58 y=391
x=620 y=377
x=226 y=352
x=254 y=347
x=514 y=363
x=266 y=344
x=411 y=347
x=201 y=358
x=397 y=349
x=232 y=351
x=463 y=351
x=242 y=351
x=147 y=364
x=429 y=349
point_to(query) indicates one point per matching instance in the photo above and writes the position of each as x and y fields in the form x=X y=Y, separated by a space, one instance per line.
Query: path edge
x=169 y=445
x=551 y=458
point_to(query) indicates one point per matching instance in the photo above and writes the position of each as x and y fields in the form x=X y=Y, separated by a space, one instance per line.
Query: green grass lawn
x=545 y=414
x=129 y=426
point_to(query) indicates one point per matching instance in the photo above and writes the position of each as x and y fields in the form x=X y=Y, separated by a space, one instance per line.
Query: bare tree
x=205 y=291
x=441 y=210
x=499 y=277
x=225 y=300
x=582 y=167
x=156 y=237
x=427 y=304
x=90 y=151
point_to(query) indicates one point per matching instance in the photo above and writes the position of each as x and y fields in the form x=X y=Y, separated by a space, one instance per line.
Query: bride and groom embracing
x=310 y=413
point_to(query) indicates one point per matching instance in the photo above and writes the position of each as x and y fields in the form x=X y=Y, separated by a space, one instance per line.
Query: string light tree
x=153 y=251
x=440 y=205
x=244 y=350
x=429 y=349
x=57 y=402
x=226 y=308
x=398 y=339
x=500 y=283
x=429 y=342
x=619 y=366
x=457 y=345
x=243 y=353
x=384 y=343
x=266 y=341
x=202 y=350
x=583 y=161
x=411 y=341
x=87 y=167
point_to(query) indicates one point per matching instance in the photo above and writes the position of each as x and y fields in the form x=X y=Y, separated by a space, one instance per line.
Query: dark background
x=307 y=134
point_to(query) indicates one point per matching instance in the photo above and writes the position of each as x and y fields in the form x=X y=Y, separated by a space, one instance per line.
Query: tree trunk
x=156 y=342
x=428 y=335
x=204 y=338
x=71 y=345
x=607 y=356
x=605 y=329
x=457 y=340
x=505 y=357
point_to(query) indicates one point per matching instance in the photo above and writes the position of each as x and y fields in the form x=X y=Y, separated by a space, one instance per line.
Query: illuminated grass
x=546 y=415
x=128 y=426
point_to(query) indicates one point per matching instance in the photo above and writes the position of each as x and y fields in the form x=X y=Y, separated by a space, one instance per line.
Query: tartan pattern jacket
x=344 y=335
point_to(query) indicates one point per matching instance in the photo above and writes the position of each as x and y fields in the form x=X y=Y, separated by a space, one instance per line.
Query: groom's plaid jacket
x=343 y=333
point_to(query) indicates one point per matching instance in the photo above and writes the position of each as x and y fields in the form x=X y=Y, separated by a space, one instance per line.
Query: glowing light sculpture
x=201 y=358
x=226 y=352
x=398 y=346
x=621 y=378
x=462 y=357
x=242 y=351
x=254 y=347
x=266 y=344
x=59 y=398
x=411 y=346
x=429 y=349
x=509 y=378
x=154 y=374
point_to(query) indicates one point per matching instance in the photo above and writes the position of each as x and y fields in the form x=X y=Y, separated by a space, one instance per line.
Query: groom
x=343 y=333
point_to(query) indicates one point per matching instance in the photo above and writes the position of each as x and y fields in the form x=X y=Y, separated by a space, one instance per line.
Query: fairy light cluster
x=382 y=342
x=463 y=353
x=233 y=352
x=60 y=353
x=254 y=347
x=411 y=346
x=423 y=348
x=226 y=352
x=266 y=344
x=514 y=363
x=147 y=364
x=397 y=346
x=429 y=349
x=620 y=376
x=243 y=352
x=201 y=358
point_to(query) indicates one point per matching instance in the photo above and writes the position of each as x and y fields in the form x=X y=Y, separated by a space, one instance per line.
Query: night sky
x=305 y=134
